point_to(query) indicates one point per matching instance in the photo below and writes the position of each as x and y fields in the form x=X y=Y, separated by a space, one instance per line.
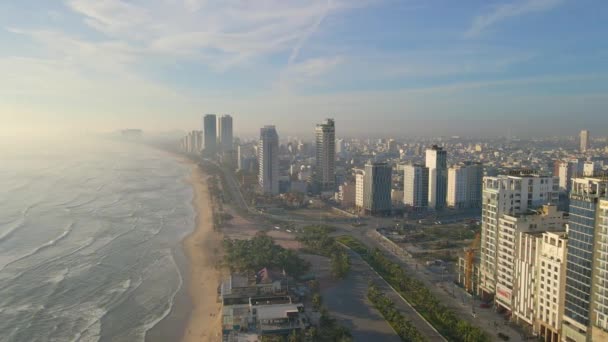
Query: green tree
x=317 y=300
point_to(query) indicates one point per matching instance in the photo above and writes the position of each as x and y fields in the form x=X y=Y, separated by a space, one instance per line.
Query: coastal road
x=346 y=299
x=361 y=269
x=455 y=299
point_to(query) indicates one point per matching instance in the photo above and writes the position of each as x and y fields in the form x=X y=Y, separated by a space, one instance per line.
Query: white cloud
x=310 y=71
x=220 y=33
x=506 y=11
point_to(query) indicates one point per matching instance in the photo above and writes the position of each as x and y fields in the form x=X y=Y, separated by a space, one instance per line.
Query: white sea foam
x=12 y=229
x=42 y=247
x=149 y=325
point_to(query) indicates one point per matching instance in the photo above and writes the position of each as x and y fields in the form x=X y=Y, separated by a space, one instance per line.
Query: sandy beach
x=202 y=249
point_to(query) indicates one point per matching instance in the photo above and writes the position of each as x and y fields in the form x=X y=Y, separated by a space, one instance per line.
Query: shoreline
x=196 y=313
x=202 y=249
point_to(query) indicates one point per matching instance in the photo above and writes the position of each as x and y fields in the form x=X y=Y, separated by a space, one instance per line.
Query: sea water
x=87 y=235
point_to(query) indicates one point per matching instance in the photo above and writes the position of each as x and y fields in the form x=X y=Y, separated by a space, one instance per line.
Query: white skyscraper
x=359 y=188
x=464 y=185
x=268 y=156
x=584 y=140
x=325 y=134
x=340 y=147
x=224 y=132
x=566 y=170
x=436 y=162
x=416 y=186
x=508 y=195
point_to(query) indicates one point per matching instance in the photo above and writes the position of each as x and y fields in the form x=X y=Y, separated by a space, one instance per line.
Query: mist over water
x=87 y=233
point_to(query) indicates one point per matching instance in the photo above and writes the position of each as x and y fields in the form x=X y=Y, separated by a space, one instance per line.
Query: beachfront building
x=259 y=304
x=209 y=134
x=224 y=133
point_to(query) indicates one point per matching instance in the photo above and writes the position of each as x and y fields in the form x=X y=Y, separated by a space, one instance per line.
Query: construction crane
x=469 y=255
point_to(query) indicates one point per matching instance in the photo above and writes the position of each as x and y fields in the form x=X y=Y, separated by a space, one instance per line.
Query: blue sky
x=379 y=67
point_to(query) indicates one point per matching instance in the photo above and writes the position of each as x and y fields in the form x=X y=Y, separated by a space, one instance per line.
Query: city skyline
x=520 y=67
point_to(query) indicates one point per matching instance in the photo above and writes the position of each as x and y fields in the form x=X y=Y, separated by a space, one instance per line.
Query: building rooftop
x=269 y=312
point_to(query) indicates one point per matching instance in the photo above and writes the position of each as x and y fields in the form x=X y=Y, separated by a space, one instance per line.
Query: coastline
x=202 y=249
x=196 y=314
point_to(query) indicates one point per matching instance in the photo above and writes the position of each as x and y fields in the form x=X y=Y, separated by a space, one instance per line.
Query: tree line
x=404 y=328
x=417 y=294
x=260 y=251
x=316 y=239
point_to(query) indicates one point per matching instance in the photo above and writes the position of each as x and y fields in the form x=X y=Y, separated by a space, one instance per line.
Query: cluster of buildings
x=215 y=138
x=543 y=245
x=417 y=186
x=261 y=304
x=543 y=267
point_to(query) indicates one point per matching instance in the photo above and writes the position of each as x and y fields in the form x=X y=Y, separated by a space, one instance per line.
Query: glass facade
x=580 y=258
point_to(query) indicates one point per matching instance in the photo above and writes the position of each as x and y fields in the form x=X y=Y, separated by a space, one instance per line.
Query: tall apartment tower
x=518 y=238
x=586 y=304
x=584 y=140
x=377 y=189
x=507 y=195
x=209 y=134
x=325 y=134
x=436 y=162
x=566 y=170
x=416 y=187
x=224 y=131
x=359 y=188
x=464 y=185
x=268 y=156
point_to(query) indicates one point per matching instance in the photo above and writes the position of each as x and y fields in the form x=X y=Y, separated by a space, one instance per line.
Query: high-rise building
x=464 y=185
x=551 y=270
x=224 y=131
x=436 y=162
x=268 y=156
x=416 y=186
x=377 y=189
x=340 y=147
x=359 y=188
x=514 y=282
x=391 y=147
x=246 y=157
x=584 y=140
x=507 y=195
x=209 y=134
x=325 y=134
x=566 y=170
x=591 y=168
x=586 y=303
x=192 y=142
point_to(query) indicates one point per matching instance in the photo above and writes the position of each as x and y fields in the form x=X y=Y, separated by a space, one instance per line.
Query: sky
x=379 y=67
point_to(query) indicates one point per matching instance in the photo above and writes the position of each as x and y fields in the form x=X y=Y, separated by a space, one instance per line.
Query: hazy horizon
x=378 y=67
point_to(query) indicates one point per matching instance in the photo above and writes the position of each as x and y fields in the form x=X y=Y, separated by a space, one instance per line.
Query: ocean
x=88 y=234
